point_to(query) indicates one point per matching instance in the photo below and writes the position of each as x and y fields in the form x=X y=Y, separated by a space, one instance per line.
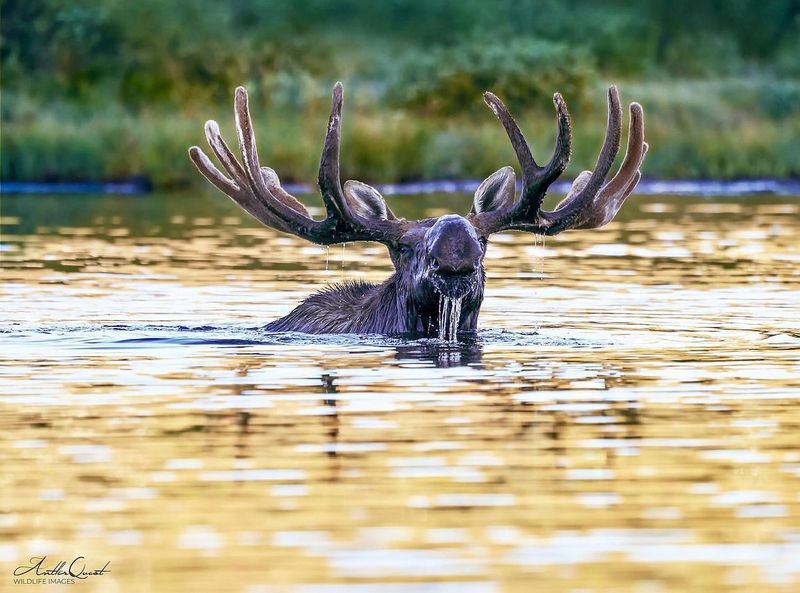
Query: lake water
x=626 y=420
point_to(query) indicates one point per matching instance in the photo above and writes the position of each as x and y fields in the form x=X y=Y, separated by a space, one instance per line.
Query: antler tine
x=210 y=172
x=610 y=144
x=568 y=213
x=248 y=186
x=328 y=178
x=224 y=154
x=241 y=195
x=606 y=205
x=302 y=224
x=633 y=153
x=339 y=208
x=235 y=170
x=535 y=179
x=563 y=150
x=602 y=208
x=515 y=135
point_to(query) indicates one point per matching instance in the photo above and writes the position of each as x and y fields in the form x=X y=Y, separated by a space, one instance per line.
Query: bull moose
x=437 y=287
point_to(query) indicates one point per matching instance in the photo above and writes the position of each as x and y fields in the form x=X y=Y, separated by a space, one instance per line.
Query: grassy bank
x=697 y=129
x=107 y=89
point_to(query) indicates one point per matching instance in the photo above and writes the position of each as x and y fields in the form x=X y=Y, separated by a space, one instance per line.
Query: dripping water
x=449 y=317
x=538 y=268
x=327 y=257
x=540 y=263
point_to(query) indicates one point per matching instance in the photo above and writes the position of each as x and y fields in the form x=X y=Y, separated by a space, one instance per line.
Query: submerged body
x=437 y=287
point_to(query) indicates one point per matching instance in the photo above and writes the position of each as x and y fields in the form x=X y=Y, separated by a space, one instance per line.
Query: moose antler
x=355 y=214
x=589 y=203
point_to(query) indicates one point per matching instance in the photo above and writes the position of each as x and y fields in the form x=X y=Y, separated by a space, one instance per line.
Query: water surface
x=626 y=419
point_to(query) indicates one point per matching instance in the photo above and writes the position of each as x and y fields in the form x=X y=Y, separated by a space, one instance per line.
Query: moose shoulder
x=437 y=287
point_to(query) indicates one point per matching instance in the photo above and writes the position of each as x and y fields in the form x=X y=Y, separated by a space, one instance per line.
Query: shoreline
x=647 y=187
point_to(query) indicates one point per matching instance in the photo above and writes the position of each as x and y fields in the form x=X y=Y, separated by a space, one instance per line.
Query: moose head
x=437 y=287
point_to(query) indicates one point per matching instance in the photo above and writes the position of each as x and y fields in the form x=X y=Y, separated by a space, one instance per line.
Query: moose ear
x=366 y=201
x=496 y=191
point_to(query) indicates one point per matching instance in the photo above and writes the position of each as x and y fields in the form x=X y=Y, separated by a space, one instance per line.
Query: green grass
x=722 y=129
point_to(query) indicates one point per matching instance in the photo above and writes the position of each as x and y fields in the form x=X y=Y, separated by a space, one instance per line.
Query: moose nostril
x=452 y=266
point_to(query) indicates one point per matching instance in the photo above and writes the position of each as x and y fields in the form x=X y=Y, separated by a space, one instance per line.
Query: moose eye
x=404 y=249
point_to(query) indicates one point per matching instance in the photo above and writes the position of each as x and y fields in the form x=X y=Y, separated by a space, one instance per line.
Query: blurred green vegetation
x=107 y=89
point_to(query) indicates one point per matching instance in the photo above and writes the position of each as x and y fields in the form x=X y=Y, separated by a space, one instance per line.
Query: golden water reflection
x=626 y=420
